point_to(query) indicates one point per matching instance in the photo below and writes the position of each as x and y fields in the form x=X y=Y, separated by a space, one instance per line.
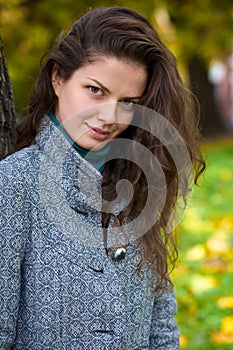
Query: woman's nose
x=107 y=113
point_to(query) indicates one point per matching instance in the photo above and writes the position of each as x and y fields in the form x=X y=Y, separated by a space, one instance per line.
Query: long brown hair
x=125 y=34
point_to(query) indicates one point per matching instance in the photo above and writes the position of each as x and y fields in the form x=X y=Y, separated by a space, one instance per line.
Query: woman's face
x=97 y=103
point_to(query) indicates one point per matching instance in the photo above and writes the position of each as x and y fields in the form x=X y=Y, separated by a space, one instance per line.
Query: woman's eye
x=95 y=90
x=128 y=103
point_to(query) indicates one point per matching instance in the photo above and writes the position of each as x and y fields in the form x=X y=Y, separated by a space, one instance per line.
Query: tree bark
x=7 y=110
x=211 y=122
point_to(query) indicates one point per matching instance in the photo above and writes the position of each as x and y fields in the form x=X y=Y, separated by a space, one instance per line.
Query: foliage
x=203 y=279
x=28 y=29
x=201 y=27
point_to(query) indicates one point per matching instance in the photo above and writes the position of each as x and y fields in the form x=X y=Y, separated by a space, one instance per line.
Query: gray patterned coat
x=58 y=288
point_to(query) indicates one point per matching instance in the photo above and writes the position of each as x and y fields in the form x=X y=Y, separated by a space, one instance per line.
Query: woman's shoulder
x=20 y=166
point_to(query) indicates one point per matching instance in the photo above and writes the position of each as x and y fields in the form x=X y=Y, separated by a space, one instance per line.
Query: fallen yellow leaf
x=215 y=265
x=227 y=325
x=196 y=253
x=225 y=335
x=200 y=283
x=226 y=222
x=183 y=341
x=222 y=338
x=225 y=302
x=218 y=244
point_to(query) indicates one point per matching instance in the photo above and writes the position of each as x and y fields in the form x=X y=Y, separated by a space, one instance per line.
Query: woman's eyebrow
x=101 y=85
x=104 y=88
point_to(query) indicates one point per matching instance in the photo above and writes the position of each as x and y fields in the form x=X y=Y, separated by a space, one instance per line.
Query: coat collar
x=70 y=187
x=71 y=191
x=71 y=173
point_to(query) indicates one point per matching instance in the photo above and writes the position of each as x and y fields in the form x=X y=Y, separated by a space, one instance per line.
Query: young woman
x=83 y=264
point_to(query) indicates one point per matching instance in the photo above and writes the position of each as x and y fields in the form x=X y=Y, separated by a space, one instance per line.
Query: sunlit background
x=200 y=34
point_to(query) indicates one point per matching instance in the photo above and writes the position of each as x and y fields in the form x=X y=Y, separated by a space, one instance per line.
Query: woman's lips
x=98 y=132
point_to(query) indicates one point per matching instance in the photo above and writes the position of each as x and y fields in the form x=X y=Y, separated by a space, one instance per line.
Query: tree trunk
x=211 y=122
x=7 y=110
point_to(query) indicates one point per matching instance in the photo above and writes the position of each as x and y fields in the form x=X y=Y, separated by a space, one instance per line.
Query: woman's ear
x=56 y=81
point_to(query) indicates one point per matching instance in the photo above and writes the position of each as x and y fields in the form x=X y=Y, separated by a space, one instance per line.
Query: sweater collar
x=96 y=158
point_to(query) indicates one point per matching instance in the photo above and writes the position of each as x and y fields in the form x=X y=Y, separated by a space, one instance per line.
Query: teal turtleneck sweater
x=96 y=158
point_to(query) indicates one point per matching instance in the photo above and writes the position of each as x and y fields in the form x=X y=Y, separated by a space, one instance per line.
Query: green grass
x=203 y=278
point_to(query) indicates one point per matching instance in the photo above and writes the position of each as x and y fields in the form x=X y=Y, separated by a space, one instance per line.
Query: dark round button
x=119 y=254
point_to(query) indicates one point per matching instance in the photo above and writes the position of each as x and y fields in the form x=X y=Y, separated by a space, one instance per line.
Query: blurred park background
x=200 y=34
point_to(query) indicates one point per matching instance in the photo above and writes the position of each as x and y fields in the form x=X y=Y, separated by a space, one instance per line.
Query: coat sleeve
x=164 y=334
x=11 y=254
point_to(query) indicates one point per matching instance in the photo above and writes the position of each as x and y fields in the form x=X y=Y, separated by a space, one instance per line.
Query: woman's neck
x=96 y=158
